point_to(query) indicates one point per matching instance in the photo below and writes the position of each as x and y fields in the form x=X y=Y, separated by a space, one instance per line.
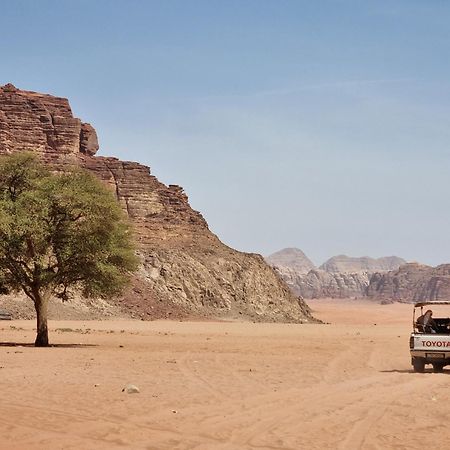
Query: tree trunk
x=41 y=305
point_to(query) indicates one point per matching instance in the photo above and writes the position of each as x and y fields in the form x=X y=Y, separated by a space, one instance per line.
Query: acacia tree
x=60 y=233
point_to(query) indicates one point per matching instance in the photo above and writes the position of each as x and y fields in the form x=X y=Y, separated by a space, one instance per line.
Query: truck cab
x=429 y=342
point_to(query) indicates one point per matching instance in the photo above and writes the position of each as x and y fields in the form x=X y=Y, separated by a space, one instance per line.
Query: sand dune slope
x=346 y=385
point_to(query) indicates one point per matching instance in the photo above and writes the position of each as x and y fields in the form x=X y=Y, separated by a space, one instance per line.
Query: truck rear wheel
x=418 y=365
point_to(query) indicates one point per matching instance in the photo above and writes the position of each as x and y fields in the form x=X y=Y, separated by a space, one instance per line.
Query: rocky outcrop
x=385 y=279
x=41 y=123
x=88 y=139
x=412 y=282
x=184 y=266
x=339 y=277
x=320 y=284
x=364 y=264
x=291 y=258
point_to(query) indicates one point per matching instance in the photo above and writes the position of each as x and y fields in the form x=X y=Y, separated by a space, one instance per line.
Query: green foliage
x=60 y=232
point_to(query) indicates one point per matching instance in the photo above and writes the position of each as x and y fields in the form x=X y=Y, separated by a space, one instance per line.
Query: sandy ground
x=344 y=385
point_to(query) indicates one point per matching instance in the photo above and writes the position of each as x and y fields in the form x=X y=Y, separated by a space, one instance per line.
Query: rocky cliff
x=320 y=284
x=185 y=269
x=339 y=277
x=412 y=282
x=364 y=264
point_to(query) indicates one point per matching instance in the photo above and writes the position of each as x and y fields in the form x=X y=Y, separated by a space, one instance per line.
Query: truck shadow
x=430 y=370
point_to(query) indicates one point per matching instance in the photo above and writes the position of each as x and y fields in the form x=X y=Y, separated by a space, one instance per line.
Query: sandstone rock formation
x=411 y=283
x=291 y=258
x=339 y=277
x=320 y=284
x=347 y=264
x=184 y=266
x=42 y=123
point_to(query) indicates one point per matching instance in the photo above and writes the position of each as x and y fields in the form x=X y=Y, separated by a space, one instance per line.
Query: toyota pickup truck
x=429 y=342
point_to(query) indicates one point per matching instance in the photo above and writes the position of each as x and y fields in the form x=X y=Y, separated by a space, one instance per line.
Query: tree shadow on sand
x=28 y=344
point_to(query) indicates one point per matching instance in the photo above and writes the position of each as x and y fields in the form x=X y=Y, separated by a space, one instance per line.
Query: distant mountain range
x=339 y=277
x=295 y=259
x=411 y=282
x=384 y=279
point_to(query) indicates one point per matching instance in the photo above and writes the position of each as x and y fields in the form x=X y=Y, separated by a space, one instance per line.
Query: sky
x=322 y=125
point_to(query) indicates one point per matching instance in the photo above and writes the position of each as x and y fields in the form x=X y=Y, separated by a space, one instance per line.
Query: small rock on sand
x=131 y=389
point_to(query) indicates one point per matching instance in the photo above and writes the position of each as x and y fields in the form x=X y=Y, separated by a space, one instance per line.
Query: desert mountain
x=339 y=277
x=320 y=284
x=186 y=270
x=411 y=283
x=291 y=258
x=348 y=264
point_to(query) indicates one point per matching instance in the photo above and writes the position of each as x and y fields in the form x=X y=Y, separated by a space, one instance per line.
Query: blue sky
x=320 y=125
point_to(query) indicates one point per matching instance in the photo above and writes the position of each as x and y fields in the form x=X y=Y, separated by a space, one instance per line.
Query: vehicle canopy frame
x=426 y=303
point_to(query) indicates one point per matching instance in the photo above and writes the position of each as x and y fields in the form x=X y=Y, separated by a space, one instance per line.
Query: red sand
x=347 y=385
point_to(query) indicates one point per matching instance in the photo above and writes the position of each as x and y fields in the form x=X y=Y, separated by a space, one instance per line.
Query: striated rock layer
x=412 y=282
x=364 y=264
x=339 y=277
x=185 y=267
x=386 y=279
x=320 y=284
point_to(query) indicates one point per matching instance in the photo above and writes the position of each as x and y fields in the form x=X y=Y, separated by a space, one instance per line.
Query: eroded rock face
x=364 y=264
x=88 y=139
x=339 y=277
x=412 y=282
x=183 y=264
x=320 y=284
x=41 y=123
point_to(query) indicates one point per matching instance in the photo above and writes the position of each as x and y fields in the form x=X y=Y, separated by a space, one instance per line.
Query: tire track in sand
x=376 y=409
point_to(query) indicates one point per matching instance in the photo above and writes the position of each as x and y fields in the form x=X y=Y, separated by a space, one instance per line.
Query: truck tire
x=418 y=365
x=438 y=367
